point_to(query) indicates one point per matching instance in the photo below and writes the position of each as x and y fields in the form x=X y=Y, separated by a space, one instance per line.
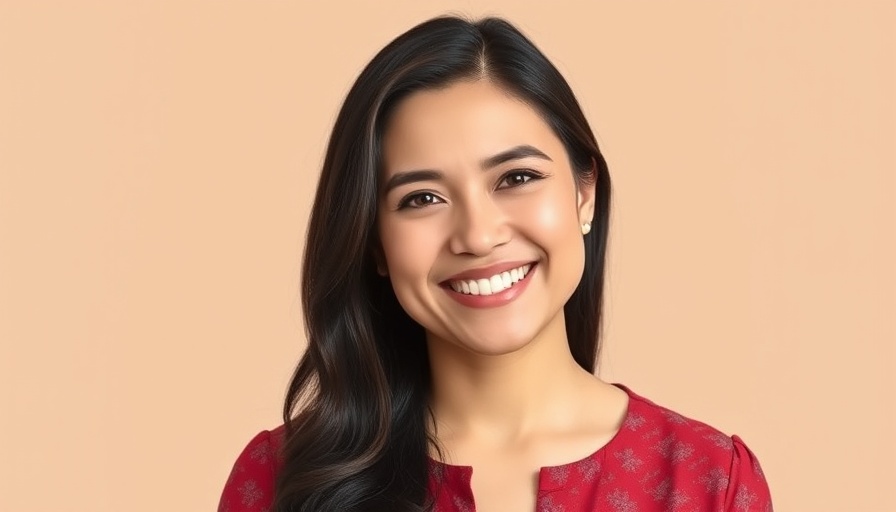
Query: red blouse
x=658 y=461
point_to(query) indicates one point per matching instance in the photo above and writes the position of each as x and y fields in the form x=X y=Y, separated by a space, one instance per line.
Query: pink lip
x=487 y=272
x=491 y=301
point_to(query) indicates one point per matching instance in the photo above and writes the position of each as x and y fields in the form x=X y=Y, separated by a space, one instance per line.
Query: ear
x=586 y=194
x=380 y=259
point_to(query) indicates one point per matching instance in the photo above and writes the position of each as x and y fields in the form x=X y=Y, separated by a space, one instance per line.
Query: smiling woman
x=503 y=200
x=453 y=314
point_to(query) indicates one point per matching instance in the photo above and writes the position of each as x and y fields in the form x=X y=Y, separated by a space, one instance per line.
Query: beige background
x=157 y=161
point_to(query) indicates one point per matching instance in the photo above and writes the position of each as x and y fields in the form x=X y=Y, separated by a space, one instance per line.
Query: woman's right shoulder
x=250 y=485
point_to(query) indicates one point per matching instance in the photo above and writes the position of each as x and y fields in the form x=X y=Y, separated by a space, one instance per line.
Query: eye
x=419 y=200
x=517 y=178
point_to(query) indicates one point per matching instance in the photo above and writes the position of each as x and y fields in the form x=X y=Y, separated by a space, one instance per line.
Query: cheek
x=552 y=223
x=551 y=218
x=409 y=249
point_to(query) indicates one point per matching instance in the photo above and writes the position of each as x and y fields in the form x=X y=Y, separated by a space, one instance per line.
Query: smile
x=497 y=290
x=492 y=285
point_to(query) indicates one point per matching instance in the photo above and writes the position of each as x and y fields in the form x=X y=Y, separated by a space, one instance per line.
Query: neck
x=507 y=396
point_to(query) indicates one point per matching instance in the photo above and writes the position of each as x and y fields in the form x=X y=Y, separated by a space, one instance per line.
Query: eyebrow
x=522 y=151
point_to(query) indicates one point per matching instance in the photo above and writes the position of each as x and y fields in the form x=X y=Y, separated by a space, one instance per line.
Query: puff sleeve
x=747 y=489
x=250 y=486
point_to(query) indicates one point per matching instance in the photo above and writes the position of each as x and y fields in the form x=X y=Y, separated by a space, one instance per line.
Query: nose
x=478 y=227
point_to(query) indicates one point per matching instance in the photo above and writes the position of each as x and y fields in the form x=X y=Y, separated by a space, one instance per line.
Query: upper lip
x=489 y=271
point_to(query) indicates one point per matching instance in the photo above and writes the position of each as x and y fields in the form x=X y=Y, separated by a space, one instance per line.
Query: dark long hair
x=356 y=409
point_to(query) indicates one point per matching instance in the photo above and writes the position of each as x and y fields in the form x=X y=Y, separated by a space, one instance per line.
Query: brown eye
x=517 y=178
x=420 y=200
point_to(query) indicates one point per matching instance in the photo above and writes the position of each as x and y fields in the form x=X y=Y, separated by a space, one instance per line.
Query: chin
x=495 y=344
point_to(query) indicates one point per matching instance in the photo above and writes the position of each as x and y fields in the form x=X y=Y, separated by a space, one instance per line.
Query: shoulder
x=680 y=458
x=250 y=485
x=672 y=432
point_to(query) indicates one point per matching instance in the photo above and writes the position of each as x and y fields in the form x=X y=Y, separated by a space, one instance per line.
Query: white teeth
x=497 y=284
x=492 y=285
x=505 y=280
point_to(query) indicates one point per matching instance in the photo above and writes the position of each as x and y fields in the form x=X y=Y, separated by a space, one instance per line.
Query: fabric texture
x=658 y=461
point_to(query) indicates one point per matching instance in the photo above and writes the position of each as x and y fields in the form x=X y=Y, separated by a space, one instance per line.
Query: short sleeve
x=250 y=486
x=747 y=489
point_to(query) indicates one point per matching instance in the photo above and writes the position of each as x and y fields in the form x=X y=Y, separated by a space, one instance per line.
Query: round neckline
x=568 y=465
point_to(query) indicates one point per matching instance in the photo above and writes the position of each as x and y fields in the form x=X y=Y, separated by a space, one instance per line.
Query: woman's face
x=479 y=218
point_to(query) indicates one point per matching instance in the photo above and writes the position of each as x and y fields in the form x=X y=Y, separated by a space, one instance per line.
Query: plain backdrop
x=158 y=160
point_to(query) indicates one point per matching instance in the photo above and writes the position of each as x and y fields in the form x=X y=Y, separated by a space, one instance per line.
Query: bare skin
x=507 y=418
x=508 y=397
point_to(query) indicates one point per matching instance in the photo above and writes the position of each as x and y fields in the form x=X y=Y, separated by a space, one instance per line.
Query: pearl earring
x=586 y=228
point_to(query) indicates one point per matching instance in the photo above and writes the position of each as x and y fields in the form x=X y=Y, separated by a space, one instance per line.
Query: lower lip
x=496 y=299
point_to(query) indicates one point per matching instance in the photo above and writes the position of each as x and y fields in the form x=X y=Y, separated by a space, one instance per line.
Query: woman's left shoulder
x=693 y=456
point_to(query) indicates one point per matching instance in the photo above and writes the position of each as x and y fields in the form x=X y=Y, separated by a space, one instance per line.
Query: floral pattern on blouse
x=658 y=461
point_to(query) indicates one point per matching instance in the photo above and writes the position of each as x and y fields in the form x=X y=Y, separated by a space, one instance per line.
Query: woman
x=452 y=297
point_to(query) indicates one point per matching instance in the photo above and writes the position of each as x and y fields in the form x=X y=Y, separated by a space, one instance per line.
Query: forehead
x=462 y=123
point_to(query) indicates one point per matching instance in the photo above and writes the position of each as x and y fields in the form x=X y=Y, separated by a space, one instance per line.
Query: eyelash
x=532 y=175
